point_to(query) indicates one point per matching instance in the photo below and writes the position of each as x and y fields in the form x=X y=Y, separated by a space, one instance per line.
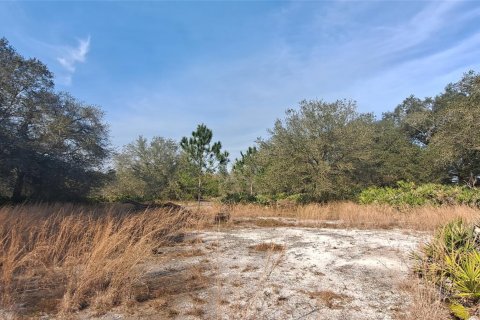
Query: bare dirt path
x=289 y=273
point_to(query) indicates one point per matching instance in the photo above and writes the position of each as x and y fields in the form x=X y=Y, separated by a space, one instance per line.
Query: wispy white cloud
x=71 y=56
x=377 y=52
x=419 y=28
x=377 y=64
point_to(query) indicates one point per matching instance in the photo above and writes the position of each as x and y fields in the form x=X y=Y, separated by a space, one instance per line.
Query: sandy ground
x=304 y=273
x=319 y=274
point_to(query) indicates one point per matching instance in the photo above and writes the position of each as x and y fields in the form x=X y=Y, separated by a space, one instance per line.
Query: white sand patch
x=363 y=266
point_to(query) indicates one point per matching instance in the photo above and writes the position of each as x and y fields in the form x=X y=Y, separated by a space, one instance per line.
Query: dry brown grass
x=351 y=215
x=64 y=258
x=197 y=312
x=268 y=246
x=331 y=299
x=271 y=223
x=426 y=302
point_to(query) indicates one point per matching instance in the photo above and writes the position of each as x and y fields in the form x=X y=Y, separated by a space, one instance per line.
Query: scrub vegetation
x=409 y=194
x=451 y=260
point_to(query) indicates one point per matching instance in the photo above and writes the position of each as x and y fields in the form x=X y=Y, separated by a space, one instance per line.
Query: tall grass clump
x=451 y=261
x=354 y=215
x=65 y=258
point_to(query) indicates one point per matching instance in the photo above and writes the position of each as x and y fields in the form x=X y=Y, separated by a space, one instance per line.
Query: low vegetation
x=451 y=261
x=62 y=259
x=352 y=215
x=426 y=301
x=410 y=194
x=266 y=246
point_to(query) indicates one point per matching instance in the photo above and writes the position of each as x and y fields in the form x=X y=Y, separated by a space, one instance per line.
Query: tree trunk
x=18 y=187
x=199 y=193
x=472 y=181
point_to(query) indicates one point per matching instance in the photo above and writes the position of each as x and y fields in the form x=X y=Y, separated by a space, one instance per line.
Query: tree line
x=324 y=151
x=55 y=147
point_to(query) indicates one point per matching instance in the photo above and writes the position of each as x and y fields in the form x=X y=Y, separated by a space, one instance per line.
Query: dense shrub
x=239 y=198
x=410 y=194
x=235 y=198
x=298 y=198
x=264 y=200
x=451 y=261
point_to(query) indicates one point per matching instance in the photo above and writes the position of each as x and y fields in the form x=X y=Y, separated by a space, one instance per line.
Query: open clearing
x=279 y=273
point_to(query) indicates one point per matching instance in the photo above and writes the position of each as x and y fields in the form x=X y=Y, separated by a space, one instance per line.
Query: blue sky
x=161 y=68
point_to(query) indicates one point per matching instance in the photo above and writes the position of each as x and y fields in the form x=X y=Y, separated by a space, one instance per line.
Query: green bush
x=265 y=199
x=451 y=261
x=300 y=198
x=410 y=194
x=238 y=198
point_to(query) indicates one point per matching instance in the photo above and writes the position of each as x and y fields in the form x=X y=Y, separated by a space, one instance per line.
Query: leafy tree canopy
x=51 y=145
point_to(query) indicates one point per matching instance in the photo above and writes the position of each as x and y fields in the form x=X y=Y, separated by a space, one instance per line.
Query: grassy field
x=62 y=259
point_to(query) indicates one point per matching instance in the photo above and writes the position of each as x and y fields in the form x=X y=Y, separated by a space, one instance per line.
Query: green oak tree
x=323 y=150
x=145 y=170
x=455 y=145
x=52 y=146
x=446 y=128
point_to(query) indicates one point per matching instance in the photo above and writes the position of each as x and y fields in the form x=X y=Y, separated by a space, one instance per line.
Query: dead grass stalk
x=352 y=215
x=64 y=258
